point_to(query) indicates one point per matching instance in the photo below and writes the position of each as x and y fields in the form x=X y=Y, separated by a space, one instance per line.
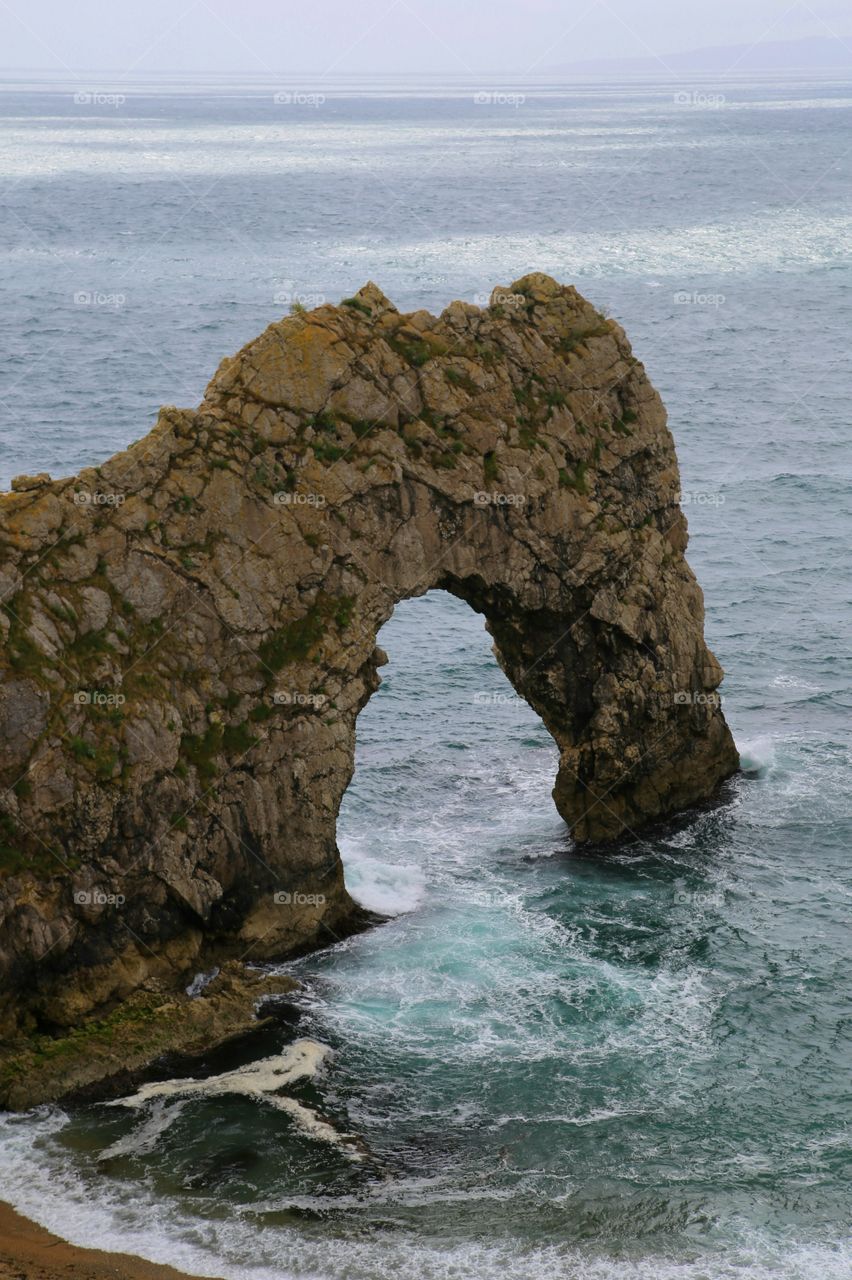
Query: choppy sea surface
x=629 y=1066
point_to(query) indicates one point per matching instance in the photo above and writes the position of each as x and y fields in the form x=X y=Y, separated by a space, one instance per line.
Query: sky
x=328 y=37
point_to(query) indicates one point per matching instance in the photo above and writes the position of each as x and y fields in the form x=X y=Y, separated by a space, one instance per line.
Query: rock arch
x=190 y=629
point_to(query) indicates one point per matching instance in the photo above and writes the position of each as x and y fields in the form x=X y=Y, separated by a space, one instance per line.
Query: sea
x=545 y=1063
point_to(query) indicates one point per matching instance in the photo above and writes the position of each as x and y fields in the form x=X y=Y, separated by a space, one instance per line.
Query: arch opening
x=452 y=766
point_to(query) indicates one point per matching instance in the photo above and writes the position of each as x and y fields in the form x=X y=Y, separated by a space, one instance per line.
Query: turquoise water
x=634 y=1065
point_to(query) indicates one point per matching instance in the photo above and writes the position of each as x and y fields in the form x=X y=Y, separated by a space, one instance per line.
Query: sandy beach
x=28 y=1252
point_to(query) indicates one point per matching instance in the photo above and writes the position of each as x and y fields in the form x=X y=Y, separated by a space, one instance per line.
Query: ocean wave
x=250 y=1246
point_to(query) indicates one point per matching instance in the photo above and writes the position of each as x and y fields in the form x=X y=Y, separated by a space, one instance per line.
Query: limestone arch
x=227 y=576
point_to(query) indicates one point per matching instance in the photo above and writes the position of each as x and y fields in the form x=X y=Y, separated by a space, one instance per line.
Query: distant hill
x=821 y=53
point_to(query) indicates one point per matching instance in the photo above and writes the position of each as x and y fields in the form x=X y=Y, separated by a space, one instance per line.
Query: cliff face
x=189 y=630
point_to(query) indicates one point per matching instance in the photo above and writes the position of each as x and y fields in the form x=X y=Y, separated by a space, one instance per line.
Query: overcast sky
x=351 y=36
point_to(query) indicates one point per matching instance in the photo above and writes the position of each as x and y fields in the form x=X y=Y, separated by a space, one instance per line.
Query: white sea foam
x=389 y=888
x=787 y=240
x=146 y=1136
x=260 y=1080
x=315 y=1127
x=794 y=682
x=301 y=1060
x=757 y=756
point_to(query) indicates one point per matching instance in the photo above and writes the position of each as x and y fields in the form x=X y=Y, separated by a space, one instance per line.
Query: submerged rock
x=190 y=628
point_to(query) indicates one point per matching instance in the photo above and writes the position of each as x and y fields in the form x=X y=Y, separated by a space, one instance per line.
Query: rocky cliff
x=189 y=630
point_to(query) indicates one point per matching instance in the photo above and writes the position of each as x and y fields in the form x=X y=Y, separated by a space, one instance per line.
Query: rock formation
x=109 y=1056
x=189 y=630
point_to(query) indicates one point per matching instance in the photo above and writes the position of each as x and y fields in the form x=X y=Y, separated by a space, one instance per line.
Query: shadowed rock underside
x=189 y=630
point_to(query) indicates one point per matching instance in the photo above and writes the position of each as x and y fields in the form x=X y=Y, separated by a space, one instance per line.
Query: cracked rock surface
x=188 y=631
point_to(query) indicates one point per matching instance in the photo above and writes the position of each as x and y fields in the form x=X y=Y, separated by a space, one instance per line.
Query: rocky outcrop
x=107 y=1056
x=189 y=630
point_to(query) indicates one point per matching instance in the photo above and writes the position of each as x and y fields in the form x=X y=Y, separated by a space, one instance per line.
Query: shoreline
x=31 y=1252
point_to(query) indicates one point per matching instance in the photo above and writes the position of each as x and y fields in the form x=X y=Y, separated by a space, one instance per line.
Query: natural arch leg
x=633 y=707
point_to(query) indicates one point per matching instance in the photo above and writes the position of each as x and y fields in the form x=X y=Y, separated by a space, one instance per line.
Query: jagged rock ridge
x=189 y=630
